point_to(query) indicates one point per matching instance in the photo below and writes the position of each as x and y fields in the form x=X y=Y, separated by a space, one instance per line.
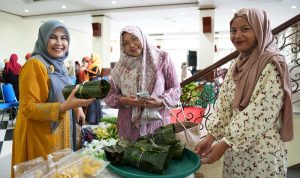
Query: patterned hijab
x=248 y=68
x=136 y=74
x=56 y=68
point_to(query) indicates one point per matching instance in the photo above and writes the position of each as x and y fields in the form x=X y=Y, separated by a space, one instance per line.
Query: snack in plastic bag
x=70 y=166
x=92 y=166
x=20 y=169
x=51 y=174
x=56 y=156
x=38 y=171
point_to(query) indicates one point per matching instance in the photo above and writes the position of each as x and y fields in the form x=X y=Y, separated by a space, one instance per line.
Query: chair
x=9 y=100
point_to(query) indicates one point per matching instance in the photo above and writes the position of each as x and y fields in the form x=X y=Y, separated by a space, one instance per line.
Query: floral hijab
x=248 y=68
x=136 y=74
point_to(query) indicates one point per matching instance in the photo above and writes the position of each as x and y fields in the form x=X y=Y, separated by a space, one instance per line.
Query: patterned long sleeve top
x=166 y=87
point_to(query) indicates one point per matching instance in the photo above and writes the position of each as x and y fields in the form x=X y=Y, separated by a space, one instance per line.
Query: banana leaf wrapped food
x=166 y=135
x=92 y=89
x=115 y=153
x=147 y=157
x=176 y=150
x=162 y=135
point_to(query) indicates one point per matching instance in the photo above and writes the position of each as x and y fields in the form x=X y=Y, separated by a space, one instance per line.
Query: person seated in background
x=12 y=70
x=142 y=67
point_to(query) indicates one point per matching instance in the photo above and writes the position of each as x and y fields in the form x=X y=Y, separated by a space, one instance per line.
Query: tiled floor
x=6 y=135
x=7 y=129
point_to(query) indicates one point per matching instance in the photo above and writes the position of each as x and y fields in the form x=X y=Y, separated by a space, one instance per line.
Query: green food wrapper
x=93 y=89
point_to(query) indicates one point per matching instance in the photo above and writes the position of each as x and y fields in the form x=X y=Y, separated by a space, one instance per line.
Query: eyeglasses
x=243 y=29
x=133 y=39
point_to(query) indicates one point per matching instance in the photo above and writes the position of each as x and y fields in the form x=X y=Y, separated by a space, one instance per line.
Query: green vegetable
x=111 y=119
x=93 y=89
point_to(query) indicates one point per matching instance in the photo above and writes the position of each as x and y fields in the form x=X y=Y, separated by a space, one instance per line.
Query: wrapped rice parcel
x=162 y=135
x=93 y=89
x=115 y=153
x=147 y=157
x=176 y=150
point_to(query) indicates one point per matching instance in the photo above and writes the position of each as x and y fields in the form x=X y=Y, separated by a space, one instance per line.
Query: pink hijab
x=145 y=70
x=13 y=66
x=247 y=69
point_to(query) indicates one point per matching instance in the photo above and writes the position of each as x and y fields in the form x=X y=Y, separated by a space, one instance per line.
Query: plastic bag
x=70 y=166
x=150 y=115
x=92 y=166
x=187 y=132
x=20 y=169
x=36 y=172
x=54 y=157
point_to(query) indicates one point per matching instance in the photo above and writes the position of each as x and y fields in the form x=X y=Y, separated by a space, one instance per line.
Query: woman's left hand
x=217 y=151
x=153 y=103
x=79 y=115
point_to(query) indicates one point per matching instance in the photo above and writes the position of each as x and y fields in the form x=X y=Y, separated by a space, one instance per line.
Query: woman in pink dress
x=142 y=68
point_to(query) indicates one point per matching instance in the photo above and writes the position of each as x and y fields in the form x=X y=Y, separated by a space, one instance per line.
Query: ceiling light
x=114 y=2
x=26 y=10
x=293 y=7
x=61 y=21
x=182 y=13
x=64 y=6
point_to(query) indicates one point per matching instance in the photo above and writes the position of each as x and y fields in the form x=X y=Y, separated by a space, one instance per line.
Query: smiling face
x=58 y=44
x=131 y=44
x=242 y=35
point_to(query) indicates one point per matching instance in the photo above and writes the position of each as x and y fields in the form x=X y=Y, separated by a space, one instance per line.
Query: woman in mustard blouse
x=44 y=123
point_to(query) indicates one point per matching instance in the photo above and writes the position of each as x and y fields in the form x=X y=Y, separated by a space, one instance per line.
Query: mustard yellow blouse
x=32 y=134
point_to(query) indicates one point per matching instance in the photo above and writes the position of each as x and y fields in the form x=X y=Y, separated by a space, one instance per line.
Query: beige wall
x=18 y=36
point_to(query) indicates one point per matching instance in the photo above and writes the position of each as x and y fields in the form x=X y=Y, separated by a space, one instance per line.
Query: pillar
x=101 y=43
x=207 y=35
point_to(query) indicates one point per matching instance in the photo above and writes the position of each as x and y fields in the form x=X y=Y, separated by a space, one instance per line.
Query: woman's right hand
x=131 y=101
x=73 y=102
x=203 y=148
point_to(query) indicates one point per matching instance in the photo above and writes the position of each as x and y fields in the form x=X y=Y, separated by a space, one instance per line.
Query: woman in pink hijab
x=12 y=70
x=253 y=116
x=142 y=68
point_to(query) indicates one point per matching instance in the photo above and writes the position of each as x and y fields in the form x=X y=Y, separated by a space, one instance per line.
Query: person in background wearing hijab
x=94 y=111
x=45 y=123
x=253 y=115
x=83 y=76
x=94 y=68
x=27 y=56
x=12 y=69
x=142 y=68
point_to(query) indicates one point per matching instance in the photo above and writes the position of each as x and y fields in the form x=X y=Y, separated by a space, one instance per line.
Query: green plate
x=176 y=168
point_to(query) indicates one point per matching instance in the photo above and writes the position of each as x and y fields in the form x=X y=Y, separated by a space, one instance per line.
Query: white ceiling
x=169 y=17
